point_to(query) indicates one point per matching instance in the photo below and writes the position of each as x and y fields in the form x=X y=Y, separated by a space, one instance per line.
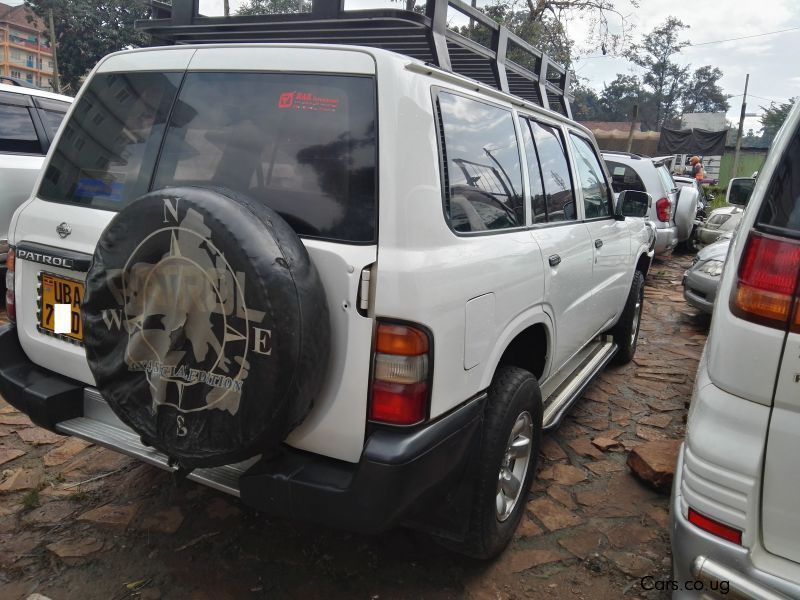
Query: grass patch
x=31 y=499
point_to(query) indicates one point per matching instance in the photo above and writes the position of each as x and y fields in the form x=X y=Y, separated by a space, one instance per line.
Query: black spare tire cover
x=206 y=325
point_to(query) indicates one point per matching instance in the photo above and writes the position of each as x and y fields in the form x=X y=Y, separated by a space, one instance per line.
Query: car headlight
x=712 y=267
x=716 y=221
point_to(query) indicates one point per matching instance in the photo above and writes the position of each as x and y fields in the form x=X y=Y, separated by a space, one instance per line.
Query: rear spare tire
x=207 y=329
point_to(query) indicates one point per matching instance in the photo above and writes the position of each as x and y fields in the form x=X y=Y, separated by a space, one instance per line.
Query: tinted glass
x=781 y=207
x=483 y=166
x=555 y=172
x=52 y=113
x=538 y=201
x=740 y=191
x=624 y=178
x=302 y=144
x=106 y=154
x=591 y=178
x=666 y=179
x=16 y=130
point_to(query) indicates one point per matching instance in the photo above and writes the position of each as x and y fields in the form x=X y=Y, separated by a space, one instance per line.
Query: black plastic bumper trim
x=398 y=474
x=46 y=397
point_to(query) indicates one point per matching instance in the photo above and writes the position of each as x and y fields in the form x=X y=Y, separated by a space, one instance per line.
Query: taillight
x=664 y=209
x=726 y=532
x=767 y=281
x=11 y=308
x=400 y=375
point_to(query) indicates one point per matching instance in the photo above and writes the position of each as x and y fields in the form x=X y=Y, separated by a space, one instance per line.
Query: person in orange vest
x=697 y=168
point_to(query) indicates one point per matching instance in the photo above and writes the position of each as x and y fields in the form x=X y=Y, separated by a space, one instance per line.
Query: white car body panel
x=18 y=172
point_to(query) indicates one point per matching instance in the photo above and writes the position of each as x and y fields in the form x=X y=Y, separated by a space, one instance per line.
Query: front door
x=610 y=238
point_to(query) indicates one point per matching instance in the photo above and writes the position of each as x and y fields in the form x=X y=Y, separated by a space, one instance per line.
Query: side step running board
x=102 y=427
x=570 y=390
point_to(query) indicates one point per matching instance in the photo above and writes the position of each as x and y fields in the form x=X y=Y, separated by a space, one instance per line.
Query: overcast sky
x=771 y=60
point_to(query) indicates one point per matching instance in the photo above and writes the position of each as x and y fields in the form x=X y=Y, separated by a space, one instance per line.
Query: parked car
x=703 y=199
x=701 y=280
x=29 y=120
x=336 y=320
x=727 y=218
x=735 y=512
x=673 y=211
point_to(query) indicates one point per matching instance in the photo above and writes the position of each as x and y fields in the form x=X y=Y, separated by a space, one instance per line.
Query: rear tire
x=626 y=331
x=513 y=413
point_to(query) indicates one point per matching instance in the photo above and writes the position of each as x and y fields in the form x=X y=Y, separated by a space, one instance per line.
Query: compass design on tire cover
x=185 y=313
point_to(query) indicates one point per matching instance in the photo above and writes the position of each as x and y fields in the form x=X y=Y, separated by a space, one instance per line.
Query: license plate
x=60 y=290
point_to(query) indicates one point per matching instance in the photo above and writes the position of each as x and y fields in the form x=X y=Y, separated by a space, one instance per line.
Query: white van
x=335 y=281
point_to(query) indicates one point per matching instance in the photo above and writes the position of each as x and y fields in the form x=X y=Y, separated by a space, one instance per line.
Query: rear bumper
x=666 y=239
x=46 y=397
x=703 y=563
x=400 y=471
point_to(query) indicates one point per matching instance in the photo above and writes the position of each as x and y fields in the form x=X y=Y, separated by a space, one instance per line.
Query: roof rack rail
x=623 y=153
x=507 y=62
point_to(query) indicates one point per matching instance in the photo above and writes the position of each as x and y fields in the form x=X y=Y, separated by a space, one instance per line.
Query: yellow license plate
x=61 y=290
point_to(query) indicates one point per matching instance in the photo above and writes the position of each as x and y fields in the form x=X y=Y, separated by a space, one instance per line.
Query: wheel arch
x=527 y=342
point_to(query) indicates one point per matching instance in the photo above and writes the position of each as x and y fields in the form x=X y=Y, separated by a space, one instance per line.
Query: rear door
x=565 y=242
x=281 y=126
x=779 y=216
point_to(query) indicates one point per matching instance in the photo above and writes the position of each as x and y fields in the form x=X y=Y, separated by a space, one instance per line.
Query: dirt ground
x=78 y=521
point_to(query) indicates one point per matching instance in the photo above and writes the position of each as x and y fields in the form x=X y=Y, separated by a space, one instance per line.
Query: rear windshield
x=624 y=177
x=780 y=211
x=303 y=144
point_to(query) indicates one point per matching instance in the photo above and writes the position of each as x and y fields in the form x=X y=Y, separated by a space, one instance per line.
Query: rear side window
x=304 y=145
x=592 y=180
x=780 y=210
x=483 y=179
x=106 y=154
x=666 y=179
x=52 y=113
x=552 y=153
x=17 y=133
x=624 y=177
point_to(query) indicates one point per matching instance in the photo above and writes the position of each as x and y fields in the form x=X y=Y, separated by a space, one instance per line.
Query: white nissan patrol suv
x=333 y=280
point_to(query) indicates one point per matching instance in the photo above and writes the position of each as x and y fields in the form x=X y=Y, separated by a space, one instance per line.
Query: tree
x=586 y=104
x=87 y=30
x=664 y=77
x=703 y=92
x=619 y=96
x=773 y=118
x=268 y=7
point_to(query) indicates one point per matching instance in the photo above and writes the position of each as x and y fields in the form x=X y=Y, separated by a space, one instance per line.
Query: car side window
x=596 y=200
x=551 y=150
x=624 y=177
x=17 y=133
x=52 y=113
x=538 y=199
x=666 y=179
x=482 y=172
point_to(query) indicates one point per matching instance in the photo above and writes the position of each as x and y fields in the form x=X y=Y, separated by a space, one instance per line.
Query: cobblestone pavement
x=78 y=521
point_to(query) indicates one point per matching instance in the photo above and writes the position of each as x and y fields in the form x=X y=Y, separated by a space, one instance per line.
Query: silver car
x=701 y=281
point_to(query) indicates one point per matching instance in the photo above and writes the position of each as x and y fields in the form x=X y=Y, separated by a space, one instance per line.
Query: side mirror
x=739 y=190
x=632 y=203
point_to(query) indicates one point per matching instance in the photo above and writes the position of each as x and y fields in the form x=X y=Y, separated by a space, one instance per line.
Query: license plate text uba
x=61 y=290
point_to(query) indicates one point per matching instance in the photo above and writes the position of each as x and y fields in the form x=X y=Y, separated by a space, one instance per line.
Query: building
x=24 y=52
x=613 y=135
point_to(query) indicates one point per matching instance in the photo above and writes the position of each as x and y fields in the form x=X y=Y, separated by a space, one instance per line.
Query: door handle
x=554 y=260
x=598 y=243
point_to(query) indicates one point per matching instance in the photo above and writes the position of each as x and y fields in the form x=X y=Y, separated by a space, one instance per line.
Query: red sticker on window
x=307 y=101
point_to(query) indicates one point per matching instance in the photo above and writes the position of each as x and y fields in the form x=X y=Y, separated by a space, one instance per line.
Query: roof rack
x=507 y=62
